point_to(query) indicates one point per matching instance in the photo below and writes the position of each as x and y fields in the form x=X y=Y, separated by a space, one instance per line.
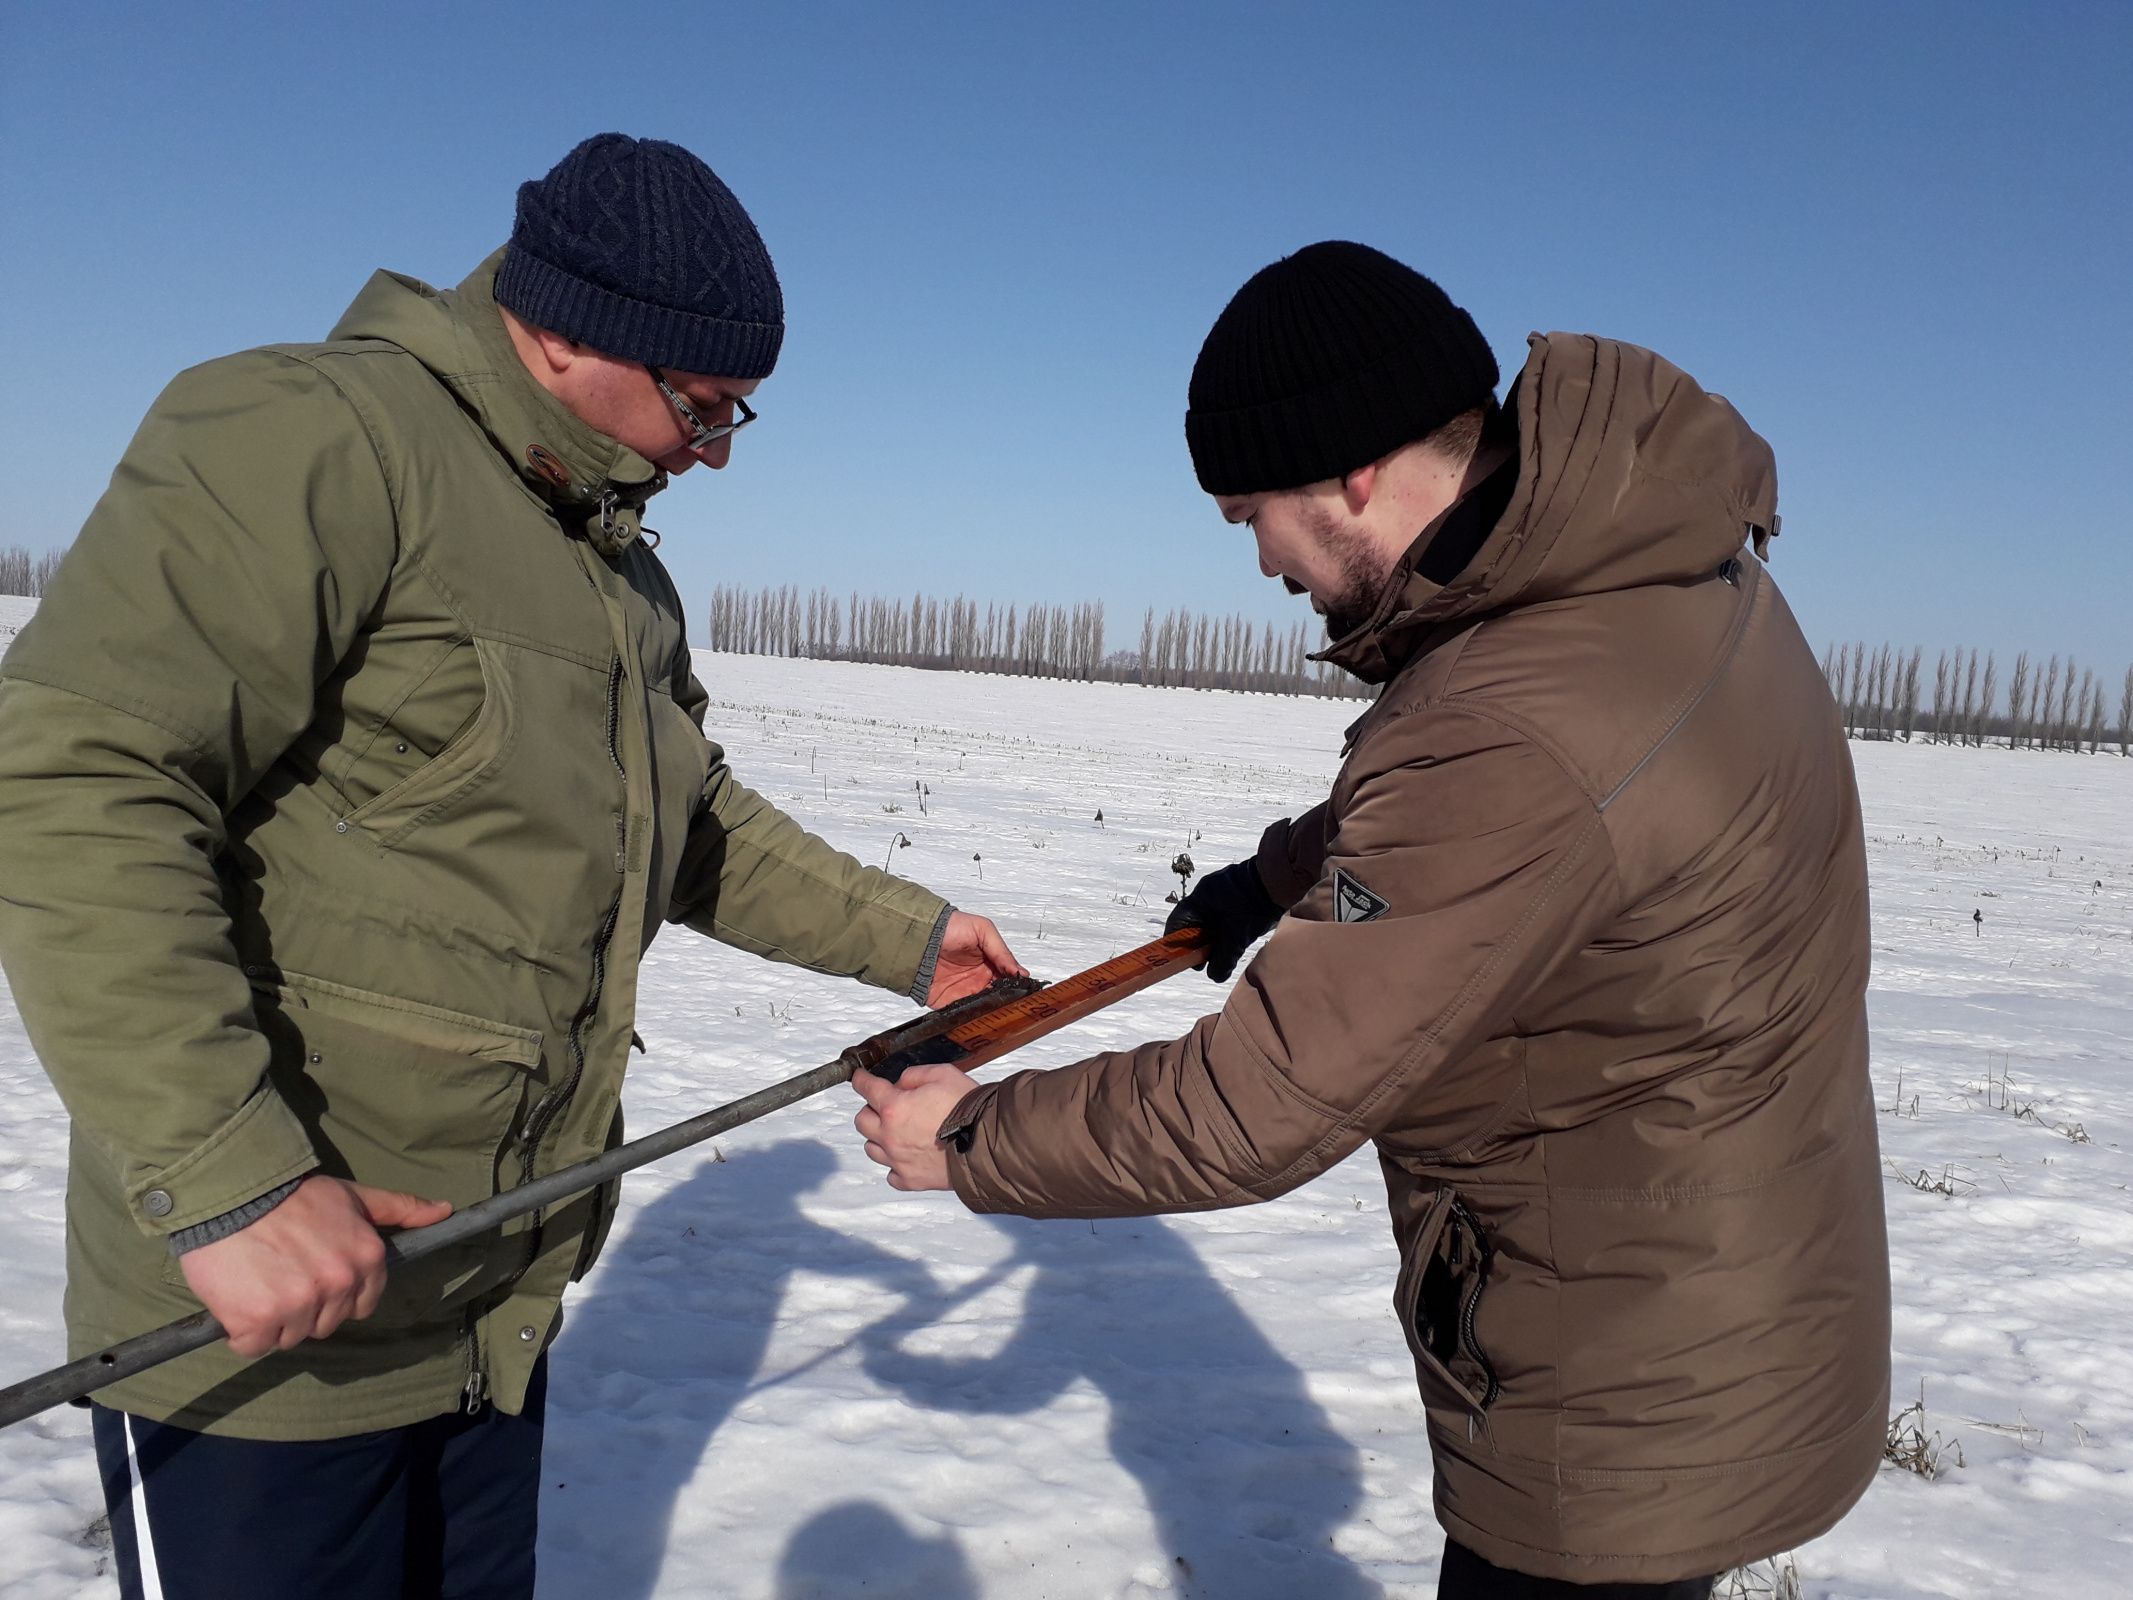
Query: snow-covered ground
x=15 y=610
x=786 y=1380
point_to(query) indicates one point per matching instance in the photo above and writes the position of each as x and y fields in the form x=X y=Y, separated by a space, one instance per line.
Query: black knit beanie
x=634 y=247
x=1324 y=362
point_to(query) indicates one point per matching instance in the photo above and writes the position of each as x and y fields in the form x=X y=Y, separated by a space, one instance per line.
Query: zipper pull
x=476 y=1391
x=614 y=526
x=609 y=529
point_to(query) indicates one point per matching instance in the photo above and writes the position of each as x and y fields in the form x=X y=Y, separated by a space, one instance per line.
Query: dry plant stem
x=1910 y=1447
x=1999 y=1096
x=1947 y=1184
x=1775 y=1579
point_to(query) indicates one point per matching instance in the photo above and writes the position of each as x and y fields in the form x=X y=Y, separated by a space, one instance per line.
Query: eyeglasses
x=706 y=434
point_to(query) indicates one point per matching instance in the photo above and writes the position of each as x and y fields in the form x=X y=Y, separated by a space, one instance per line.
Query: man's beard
x=1366 y=573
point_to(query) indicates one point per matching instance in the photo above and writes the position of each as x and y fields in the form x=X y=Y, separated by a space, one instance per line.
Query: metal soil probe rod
x=969 y=1033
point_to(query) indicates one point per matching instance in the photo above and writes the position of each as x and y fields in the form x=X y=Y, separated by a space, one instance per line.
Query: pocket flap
x=411 y=1020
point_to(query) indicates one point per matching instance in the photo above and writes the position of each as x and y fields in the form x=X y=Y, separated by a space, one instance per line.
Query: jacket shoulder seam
x=1528 y=731
x=1673 y=719
x=124 y=705
x=1534 y=735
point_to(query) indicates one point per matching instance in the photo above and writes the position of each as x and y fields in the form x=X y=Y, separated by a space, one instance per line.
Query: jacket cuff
x=259 y=1149
x=216 y=1229
x=967 y=1169
x=1278 y=871
x=922 y=985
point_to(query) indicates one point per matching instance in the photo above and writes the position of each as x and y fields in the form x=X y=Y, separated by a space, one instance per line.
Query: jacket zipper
x=476 y=1388
x=614 y=719
x=1469 y=1341
x=553 y=1103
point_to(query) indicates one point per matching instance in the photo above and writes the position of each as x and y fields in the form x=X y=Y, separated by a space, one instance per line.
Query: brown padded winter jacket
x=1580 y=941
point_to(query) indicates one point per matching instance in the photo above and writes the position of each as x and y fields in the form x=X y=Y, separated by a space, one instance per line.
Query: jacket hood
x=458 y=334
x=1629 y=474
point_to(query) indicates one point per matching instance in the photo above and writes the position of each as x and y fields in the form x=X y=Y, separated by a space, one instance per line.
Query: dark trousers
x=441 y=1510
x=1465 y=1576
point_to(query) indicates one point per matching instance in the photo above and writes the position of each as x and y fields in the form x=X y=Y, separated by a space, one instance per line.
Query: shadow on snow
x=1244 y=1478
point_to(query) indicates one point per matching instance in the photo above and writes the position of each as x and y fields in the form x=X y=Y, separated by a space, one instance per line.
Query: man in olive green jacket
x=347 y=769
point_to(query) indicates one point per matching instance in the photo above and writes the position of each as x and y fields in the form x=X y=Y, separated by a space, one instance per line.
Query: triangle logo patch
x=1352 y=902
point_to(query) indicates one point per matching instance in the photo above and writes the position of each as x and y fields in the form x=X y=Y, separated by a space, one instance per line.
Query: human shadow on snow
x=1244 y=1477
x=860 y=1546
x=652 y=1362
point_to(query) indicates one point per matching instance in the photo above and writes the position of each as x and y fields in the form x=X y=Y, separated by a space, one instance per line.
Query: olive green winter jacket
x=347 y=768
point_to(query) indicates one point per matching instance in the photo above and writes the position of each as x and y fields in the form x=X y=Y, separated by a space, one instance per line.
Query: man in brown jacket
x=1579 y=941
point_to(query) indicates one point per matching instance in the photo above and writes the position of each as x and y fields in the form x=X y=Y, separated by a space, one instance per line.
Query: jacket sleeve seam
x=370 y=434
x=1332 y=1115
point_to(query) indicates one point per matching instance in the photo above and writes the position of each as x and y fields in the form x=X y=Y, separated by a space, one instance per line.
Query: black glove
x=1235 y=909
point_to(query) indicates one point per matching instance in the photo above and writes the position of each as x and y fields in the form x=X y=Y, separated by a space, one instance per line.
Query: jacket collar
x=1375 y=649
x=595 y=485
x=1629 y=474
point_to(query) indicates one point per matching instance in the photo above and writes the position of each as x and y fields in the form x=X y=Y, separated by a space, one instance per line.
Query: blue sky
x=1896 y=236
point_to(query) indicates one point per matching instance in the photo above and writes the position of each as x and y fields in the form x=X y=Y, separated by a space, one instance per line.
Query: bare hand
x=901 y=1118
x=305 y=1267
x=972 y=955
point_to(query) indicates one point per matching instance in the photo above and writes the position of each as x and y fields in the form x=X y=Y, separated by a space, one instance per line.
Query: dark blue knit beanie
x=634 y=247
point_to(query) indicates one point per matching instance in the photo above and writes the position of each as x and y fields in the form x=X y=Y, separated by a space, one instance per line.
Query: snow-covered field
x=787 y=1380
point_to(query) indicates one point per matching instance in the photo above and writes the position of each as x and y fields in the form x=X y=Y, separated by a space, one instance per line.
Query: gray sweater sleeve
x=216 y=1229
x=922 y=985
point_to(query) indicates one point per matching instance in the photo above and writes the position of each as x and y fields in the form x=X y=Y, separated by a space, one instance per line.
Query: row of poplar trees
x=1181 y=649
x=1882 y=695
x=1882 y=692
x=25 y=574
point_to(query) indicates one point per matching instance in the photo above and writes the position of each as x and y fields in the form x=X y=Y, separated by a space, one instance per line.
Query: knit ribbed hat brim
x=637 y=248
x=634 y=330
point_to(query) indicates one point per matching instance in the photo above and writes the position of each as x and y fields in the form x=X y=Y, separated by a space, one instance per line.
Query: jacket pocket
x=459 y=768
x=406 y=1096
x=1438 y=1298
